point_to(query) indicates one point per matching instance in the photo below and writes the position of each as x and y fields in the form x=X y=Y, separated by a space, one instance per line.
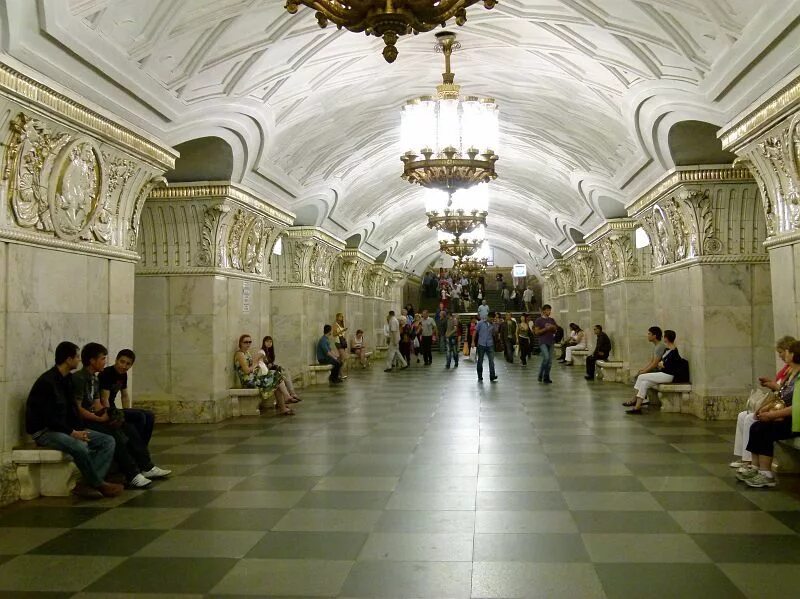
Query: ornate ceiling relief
x=308 y=258
x=767 y=141
x=208 y=228
x=710 y=219
x=64 y=187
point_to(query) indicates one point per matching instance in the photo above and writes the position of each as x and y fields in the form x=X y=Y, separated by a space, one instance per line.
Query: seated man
x=114 y=380
x=602 y=349
x=326 y=355
x=52 y=419
x=671 y=368
x=131 y=452
x=653 y=336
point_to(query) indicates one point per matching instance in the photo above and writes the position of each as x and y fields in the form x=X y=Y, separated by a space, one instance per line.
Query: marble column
x=72 y=188
x=711 y=279
x=348 y=296
x=627 y=292
x=767 y=139
x=589 y=298
x=301 y=293
x=202 y=281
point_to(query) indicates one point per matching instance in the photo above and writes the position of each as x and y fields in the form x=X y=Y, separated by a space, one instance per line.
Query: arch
x=696 y=142
x=308 y=215
x=556 y=254
x=353 y=241
x=611 y=208
x=202 y=159
x=576 y=236
x=382 y=257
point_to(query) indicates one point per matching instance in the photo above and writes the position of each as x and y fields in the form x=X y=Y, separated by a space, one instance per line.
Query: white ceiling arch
x=588 y=91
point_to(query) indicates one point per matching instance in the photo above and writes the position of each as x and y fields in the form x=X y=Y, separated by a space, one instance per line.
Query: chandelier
x=458 y=213
x=471 y=266
x=388 y=19
x=462 y=246
x=448 y=143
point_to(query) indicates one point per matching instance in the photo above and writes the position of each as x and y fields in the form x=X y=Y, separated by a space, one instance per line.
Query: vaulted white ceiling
x=588 y=90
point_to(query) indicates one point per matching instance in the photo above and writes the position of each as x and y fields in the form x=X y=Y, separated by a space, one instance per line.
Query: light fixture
x=449 y=143
x=388 y=19
x=472 y=267
x=459 y=247
x=458 y=213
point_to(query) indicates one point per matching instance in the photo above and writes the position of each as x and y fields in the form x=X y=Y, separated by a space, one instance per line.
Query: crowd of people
x=458 y=293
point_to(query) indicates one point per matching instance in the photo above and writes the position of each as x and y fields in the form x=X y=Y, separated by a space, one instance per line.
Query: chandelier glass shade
x=388 y=19
x=447 y=142
x=462 y=246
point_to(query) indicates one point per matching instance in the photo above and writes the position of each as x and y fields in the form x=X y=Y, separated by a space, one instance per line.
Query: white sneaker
x=738 y=464
x=140 y=482
x=759 y=480
x=156 y=472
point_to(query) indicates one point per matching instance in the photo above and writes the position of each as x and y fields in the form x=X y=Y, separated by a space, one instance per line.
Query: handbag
x=473 y=354
x=416 y=343
x=756 y=399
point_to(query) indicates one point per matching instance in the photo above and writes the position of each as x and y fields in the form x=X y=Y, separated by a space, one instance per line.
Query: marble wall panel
x=784 y=266
x=121 y=295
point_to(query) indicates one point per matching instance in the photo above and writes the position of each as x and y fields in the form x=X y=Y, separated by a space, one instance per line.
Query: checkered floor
x=423 y=483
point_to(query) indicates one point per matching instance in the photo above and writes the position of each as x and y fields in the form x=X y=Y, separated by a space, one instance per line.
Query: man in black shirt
x=52 y=419
x=602 y=350
x=113 y=381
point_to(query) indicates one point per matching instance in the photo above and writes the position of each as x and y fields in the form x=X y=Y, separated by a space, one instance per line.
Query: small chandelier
x=449 y=143
x=472 y=267
x=460 y=247
x=388 y=19
x=457 y=213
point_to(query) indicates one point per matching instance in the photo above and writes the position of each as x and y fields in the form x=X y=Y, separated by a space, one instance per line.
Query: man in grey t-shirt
x=428 y=327
x=659 y=349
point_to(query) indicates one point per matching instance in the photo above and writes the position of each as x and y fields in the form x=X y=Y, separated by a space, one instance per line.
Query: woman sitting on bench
x=266 y=355
x=252 y=376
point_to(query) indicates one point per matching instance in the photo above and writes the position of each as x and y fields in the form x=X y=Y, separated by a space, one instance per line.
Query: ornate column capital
x=308 y=259
x=218 y=228
x=353 y=267
x=584 y=265
x=767 y=140
x=613 y=244
x=695 y=215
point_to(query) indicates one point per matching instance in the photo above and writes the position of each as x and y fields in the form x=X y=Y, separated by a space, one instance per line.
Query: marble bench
x=380 y=351
x=354 y=358
x=674 y=397
x=44 y=472
x=614 y=374
x=247 y=402
x=787 y=454
x=315 y=369
x=579 y=356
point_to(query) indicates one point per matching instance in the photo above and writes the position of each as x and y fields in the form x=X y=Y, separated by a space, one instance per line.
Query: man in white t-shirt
x=654 y=335
x=393 y=351
x=527 y=296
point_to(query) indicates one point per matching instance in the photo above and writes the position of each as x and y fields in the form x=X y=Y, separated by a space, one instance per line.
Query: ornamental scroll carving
x=247 y=242
x=321 y=265
x=616 y=257
x=586 y=270
x=70 y=187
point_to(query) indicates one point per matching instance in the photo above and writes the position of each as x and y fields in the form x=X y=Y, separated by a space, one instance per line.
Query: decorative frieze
x=202 y=228
x=614 y=247
x=767 y=140
x=65 y=189
x=308 y=258
x=585 y=267
x=353 y=268
x=715 y=218
x=378 y=282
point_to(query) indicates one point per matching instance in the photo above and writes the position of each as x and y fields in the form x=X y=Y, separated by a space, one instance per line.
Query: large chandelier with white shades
x=449 y=142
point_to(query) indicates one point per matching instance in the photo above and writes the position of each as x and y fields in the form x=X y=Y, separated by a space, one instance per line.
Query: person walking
x=545 y=329
x=453 y=339
x=427 y=328
x=484 y=341
x=510 y=331
x=393 y=351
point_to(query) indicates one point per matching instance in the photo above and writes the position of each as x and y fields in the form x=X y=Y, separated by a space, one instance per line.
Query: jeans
x=591 y=363
x=337 y=367
x=488 y=351
x=130 y=452
x=142 y=420
x=524 y=349
x=425 y=346
x=546 y=350
x=509 y=349
x=452 y=350
x=92 y=459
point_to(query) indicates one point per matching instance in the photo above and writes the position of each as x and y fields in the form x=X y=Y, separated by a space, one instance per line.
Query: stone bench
x=674 y=397
x=380 y=351
x=44 y=472
x=352 y=357
x=315 y=369
x=247 y=402
x=787 y=455
x=614 y=374
x=579 y=356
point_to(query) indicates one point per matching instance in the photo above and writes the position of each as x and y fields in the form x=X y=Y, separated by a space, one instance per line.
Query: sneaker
x=156 y=472
x=492 y=378
x=140 y=482
x=738 y=464
x=746 y=472
x=759 y=480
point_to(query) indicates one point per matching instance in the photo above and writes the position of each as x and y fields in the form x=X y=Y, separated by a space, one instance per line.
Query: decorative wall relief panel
x=208 y=228
x=309 y=257
x=353 y=267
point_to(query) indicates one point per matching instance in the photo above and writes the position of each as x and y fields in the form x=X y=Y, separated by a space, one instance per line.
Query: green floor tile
x=164 y=575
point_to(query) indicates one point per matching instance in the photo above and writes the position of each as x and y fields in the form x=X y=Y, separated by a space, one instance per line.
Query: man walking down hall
x=484 y=341
x=428 y=327
x=393 y=350
x=545 y=328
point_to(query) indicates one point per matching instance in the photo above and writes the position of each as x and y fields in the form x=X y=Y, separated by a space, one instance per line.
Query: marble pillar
x=766 y=136
x=711 y=280
x=73 y=184
x=203 y=280
x=627 y=292
x=304 y=276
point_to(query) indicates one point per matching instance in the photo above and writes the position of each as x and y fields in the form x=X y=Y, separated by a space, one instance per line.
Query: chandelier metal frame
x=456 y=222
x=460 y=248
x=472 y=267
x=389 y=19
